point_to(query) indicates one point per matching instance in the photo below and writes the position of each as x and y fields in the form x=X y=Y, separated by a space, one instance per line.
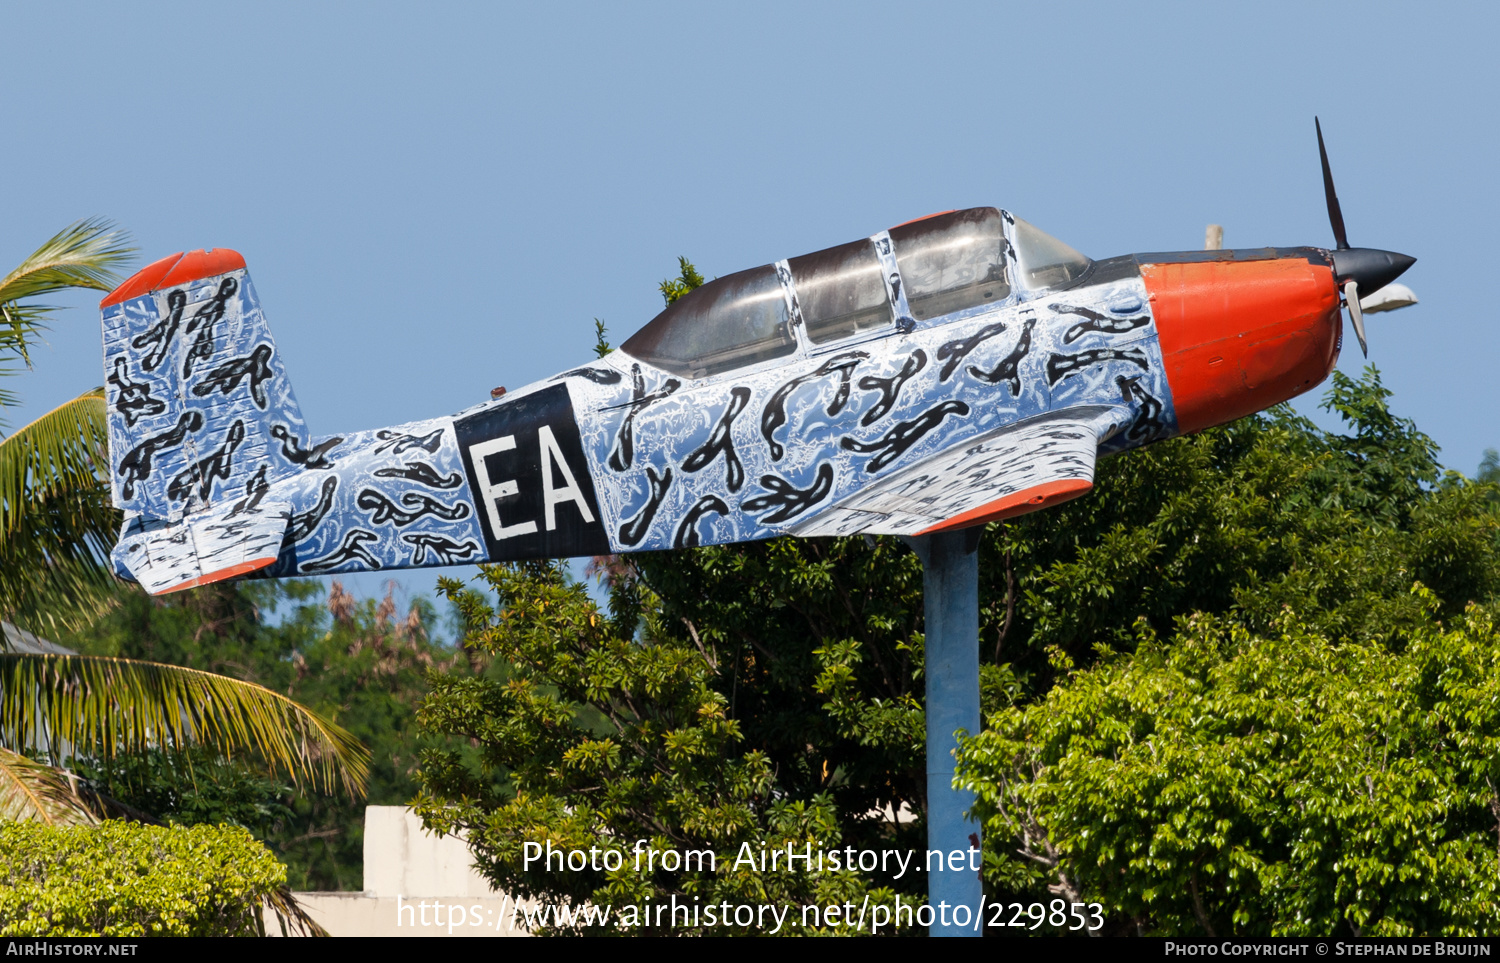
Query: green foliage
x=121 y=879
x=193 y=787
x=817 y=649
x=1230 y=783
x=1489 y=474
x=607 y=731
x=688 y=279
x=84 y=254
x=78 y=705
x=56 y=521
x=1182 y=785
x=1247 y=519
x=360 y=663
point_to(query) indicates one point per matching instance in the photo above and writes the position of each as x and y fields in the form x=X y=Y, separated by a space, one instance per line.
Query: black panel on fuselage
x=523 y=457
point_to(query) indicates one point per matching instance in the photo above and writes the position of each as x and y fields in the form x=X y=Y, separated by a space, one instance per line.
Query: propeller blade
x=1351 y=295
x=1335 y=215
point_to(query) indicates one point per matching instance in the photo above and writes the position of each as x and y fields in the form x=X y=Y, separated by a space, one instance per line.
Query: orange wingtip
x=175 y=269
x=221 y=574
x=1032 y=499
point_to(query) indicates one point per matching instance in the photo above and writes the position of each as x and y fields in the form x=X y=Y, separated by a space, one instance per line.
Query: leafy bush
x=126 y=879
x=1230 y=783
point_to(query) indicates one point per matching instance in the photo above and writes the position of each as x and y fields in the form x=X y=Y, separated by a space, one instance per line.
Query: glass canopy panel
x=1043 y=260
x=952 y=261
x=728 y=323
x=840 y=291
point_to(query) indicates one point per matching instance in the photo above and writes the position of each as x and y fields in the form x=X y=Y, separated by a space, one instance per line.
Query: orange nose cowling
x=1240 y=336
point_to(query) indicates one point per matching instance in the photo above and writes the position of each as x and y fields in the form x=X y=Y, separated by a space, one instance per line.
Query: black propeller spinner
x=1356 y=267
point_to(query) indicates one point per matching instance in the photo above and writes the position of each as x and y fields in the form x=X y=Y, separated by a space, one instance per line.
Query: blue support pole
x=950 y=586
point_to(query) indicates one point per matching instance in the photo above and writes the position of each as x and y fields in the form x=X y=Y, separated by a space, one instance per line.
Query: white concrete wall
x=416 y=884
x=402 y=859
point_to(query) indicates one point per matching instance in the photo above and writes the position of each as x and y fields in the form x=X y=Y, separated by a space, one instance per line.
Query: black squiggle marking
x=721 y=441
x=216 y=464
x=1148 y=423
x=303 y=524
x=423 y=474
x=160 y=335
x=208 y=315
x=788 y=501
x=228 y=529
x=907 y=433
x=687 y=533
x=953 y=353
x=255 y=490
x=1094 y=321
x=1060 y=366
x=351 y=550
x=773 y=415
x=136 y=465
x=227 y=376
x=599 y=376
x=636 y=528
x=890 y=388
x=622 y=455
x=445 y=550
x=1009 y=368
x=382 y=509
x=308 y=458
x=399 y=444
x=133 y=398
x=418 y=505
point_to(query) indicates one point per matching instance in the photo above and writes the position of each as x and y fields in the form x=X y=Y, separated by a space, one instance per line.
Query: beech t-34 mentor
x=953 y=370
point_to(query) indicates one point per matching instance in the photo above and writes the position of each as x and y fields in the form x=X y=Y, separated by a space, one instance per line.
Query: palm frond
x=67 y=705
x=56 y=521
x=64 y=451
x=32 y=791
x=290 y=914
x=82 y=255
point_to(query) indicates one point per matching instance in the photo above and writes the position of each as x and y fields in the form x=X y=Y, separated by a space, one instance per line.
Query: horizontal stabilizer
x=203 y=548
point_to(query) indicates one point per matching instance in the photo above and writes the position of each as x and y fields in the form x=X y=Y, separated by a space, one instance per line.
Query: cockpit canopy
x=946 y=263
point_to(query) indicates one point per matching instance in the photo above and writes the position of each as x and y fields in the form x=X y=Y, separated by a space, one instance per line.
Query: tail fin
x=198 y=400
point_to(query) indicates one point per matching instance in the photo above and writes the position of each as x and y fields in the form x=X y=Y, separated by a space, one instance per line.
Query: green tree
x=358 y=663
x=56 y=523
x=1229 y=783
x=1279 y=560
x=1489 y=467
x=603 y=734
x=130 y=880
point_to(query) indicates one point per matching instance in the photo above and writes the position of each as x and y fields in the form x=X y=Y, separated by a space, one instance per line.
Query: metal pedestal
x=950 y=583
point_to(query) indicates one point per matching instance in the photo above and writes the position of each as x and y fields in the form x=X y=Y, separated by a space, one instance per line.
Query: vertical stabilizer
x=198 y=407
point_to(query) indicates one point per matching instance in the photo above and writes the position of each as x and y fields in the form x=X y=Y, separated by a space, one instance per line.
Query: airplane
x=953 y=370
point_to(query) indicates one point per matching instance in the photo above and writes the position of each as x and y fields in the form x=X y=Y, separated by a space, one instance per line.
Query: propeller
x=1356 y=267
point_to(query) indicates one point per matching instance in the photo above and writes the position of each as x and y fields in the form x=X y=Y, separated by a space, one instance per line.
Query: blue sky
x=436 y=199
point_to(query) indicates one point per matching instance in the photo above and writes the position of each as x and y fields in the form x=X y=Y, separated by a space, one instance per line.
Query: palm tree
x=56 y=529
x=56 y=522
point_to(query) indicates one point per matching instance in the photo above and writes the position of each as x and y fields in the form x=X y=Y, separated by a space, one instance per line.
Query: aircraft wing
x=1017 y=469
